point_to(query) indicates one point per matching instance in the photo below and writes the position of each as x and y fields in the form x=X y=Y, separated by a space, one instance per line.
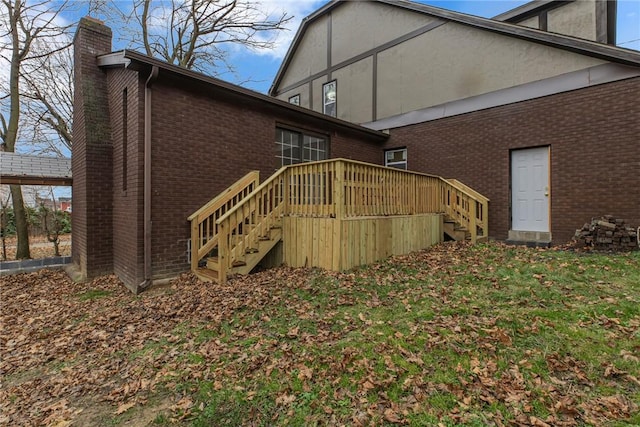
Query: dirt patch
x=93 y=413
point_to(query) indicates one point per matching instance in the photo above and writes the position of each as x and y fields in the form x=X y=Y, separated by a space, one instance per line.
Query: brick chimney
x=91 y=155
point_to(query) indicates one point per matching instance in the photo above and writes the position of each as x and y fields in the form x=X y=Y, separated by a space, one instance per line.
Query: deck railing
x=336 y=188
x=242 y=227
x=371 y=190
x=204 y=230
x=473 y=200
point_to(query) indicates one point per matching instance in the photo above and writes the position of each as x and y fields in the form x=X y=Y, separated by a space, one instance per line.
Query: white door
x=530 y=189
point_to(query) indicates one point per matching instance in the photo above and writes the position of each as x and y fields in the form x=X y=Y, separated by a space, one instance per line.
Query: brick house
x=535 y=109
x=154 y=142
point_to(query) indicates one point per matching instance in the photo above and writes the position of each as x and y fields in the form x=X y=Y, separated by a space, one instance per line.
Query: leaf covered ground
x=455 y=335
x=39 y=247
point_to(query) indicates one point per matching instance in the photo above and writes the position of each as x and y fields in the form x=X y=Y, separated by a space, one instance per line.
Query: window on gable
x=295 y=99
x=396 y=158
x=294 y=146
x=329 y=98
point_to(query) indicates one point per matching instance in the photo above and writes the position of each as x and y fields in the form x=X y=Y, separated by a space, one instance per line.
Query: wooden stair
x=458 y=232
x=243 y=223
x=250 y=260
x=455 y=231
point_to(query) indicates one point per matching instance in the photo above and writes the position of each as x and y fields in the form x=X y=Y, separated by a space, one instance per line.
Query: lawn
x=455 y=335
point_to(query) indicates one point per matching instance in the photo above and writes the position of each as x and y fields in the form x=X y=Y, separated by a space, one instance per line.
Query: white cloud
x=299 y=9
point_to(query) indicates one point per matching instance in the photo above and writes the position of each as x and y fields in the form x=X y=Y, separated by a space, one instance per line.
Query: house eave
x=113 y=60
x=140 y=62
x=296 y=41
x=528 y=9
x=584 y=47
x=559 y=41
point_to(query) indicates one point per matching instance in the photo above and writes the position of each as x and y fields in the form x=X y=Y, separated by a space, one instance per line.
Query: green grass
x=460 y=335
x=490 y=332
x=93 y=294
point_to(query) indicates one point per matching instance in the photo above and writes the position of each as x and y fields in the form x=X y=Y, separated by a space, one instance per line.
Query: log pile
x=608 y=233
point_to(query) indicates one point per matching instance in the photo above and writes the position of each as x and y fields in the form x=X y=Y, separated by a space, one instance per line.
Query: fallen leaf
x=124 y=407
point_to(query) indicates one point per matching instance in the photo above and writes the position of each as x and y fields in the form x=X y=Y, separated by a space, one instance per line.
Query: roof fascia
x=529 y=9
x=138 y=61
x=572 y=44
x=297 y=39
x=113 y=60
x=584 y=47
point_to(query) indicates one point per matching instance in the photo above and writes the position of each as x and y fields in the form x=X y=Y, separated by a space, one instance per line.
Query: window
x=296 y=147
x=396 y=158
x=313 y=148
x=295 y=99
x=329 y=96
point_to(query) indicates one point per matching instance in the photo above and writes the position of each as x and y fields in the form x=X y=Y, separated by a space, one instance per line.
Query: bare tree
x=4 y=223
x=23 y=25
x=47 y=100
x=50 y=220
x=196 y=34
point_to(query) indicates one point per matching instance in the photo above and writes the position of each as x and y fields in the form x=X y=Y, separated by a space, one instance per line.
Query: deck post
x=338 y=190
x=223 y=252
x=286 y=182
x=413 y=194
x=472 y=221
x=195 y=244
x=485 y=220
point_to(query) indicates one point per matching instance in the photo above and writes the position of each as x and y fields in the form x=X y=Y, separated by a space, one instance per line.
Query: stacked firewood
x=608 y=233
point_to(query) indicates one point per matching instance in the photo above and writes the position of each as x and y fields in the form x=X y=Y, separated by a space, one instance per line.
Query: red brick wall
x=128 y=225
x=92 y=249
x=594 y=135
x=202 y=143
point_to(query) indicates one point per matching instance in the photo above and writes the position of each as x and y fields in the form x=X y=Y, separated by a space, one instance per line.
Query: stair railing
x=465 y=206
x=241 y=228
x=204 y=229
x=338 y=188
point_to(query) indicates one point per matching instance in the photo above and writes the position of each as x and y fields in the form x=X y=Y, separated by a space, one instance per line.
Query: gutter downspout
x=147 y=177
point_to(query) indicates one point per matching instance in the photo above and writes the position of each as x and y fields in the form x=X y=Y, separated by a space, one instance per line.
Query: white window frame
x=398 y=164
x=295 y=99
x=330 y=98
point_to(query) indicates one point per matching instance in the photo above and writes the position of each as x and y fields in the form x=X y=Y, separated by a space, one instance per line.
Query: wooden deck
x=334 y=214
x=341 y=244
